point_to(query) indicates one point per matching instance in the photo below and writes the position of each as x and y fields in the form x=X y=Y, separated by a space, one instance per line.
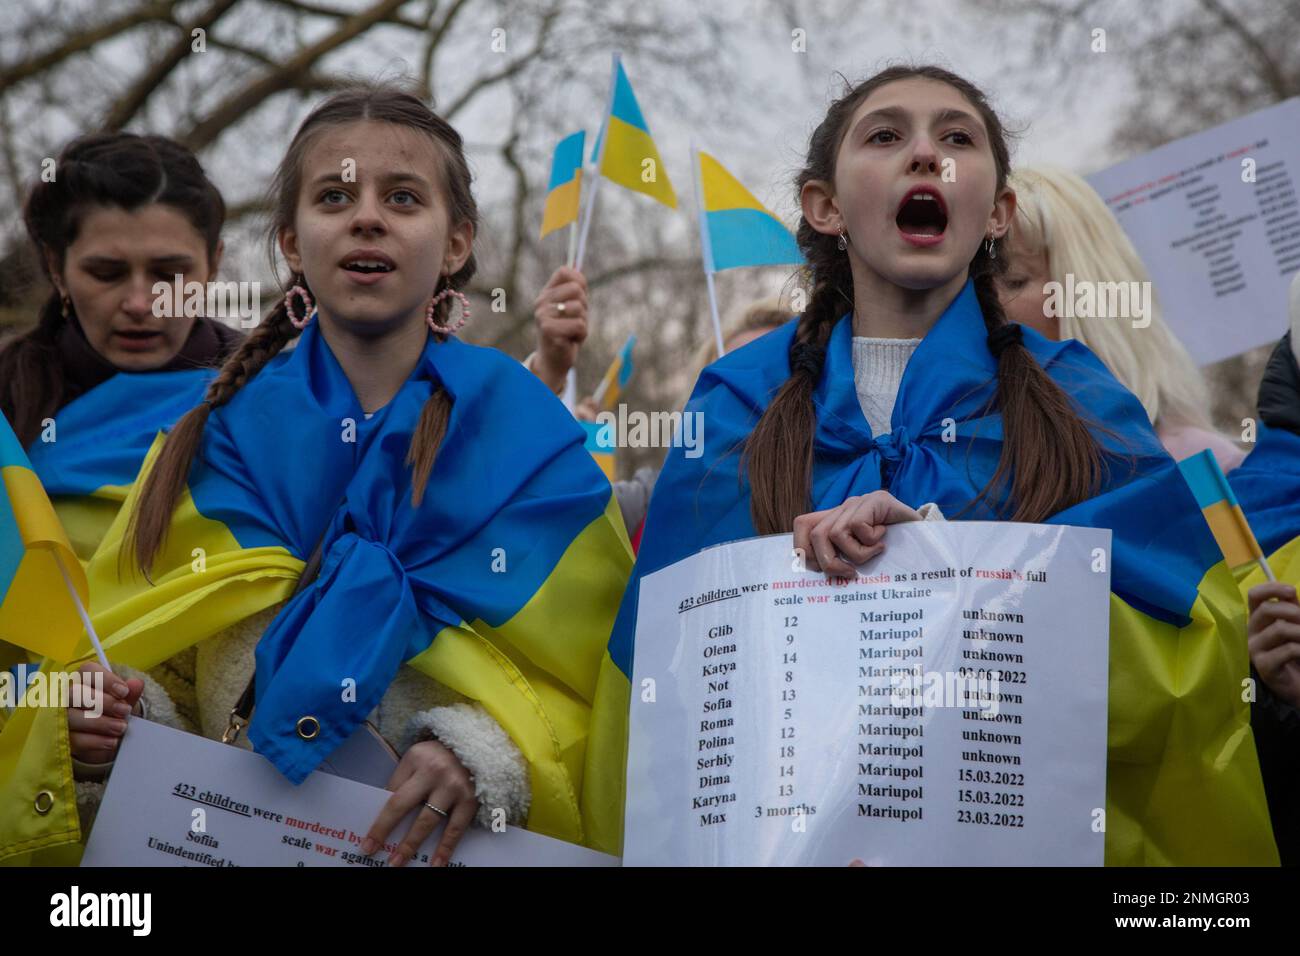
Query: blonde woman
x=1062 y=227
x=760 y=317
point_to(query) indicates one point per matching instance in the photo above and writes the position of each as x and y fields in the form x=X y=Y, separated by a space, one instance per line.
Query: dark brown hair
x=100 y=169
x=378 y=102
x=1049 y=457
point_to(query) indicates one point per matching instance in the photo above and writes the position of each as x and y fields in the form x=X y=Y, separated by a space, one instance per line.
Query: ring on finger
x=437 y=810
x=561 y=308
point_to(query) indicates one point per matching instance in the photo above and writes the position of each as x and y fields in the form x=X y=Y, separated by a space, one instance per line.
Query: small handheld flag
x=625 y=152
x=39 y=571
x=735 y=228
x=600 y=445
x=617 y=376
x=563 y=191
x=1222 y=512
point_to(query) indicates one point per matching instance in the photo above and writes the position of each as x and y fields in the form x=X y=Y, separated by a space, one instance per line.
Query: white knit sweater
x=878 y=366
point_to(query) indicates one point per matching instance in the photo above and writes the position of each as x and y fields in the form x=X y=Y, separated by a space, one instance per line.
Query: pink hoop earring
x=310 y=307
x=433 y=305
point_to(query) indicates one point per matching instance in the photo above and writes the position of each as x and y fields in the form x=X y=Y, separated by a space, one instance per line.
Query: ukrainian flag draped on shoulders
x=1183 y=781
x=89 y=455
x=1267 y=483
x=503 y=585
x=99 y=440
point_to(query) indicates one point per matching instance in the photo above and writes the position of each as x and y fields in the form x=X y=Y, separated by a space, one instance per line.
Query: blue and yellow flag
x=37 y=612
x=616 y=376
x=1267 y=488
x=735 y=228
x=565 y=187
x=600 y=445
x=502 y=585
x=1183 y=780
x=94 y=449
x=625 y=152
x=1222 y=511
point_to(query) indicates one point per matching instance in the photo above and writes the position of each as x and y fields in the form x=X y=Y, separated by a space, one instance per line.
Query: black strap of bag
x=242 y=712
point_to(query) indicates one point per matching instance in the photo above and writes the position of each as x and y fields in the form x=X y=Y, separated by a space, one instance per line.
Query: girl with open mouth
x=902 y=393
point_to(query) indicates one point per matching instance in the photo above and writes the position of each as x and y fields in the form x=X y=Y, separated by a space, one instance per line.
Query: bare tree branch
x=134 y=99
x=436 y=37
x=245 y=51
x=316 y=9
x=159 y=11
x=288 y=77
x=507 y=71
x=1266 y=64
x=667 y=263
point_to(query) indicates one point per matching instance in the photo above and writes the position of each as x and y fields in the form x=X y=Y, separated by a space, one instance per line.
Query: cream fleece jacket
x=196 y=690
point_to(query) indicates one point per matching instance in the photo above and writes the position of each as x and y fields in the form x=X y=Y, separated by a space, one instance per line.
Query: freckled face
x=1020 y=288
x=906 y=220
x=373 y=229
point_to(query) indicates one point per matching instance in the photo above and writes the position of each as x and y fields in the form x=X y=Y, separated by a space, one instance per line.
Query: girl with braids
x=393 y=526
x=87 y=389
x=902 y=393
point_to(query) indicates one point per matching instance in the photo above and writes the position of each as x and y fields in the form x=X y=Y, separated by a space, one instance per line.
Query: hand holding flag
x=43 y=590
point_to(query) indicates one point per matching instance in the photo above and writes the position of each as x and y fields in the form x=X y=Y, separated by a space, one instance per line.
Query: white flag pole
x=713 y=307
x=600 y=155
x=599 y=395
x=607 y=380
x=573 y=244
x=586 y=219
x=570 y=394
x=706 y=246
x=81 y=610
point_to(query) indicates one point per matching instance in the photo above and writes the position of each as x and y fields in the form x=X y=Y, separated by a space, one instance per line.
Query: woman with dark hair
x=90 y=385
x=902 y=393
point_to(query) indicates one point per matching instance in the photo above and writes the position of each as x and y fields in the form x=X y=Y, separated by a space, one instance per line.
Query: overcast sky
x=759 y=128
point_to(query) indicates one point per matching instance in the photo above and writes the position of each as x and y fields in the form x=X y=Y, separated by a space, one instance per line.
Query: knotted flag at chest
x=1183 y=779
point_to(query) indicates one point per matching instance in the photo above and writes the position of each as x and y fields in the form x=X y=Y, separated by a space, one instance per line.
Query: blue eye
x=325 y=196
x=407 y=193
